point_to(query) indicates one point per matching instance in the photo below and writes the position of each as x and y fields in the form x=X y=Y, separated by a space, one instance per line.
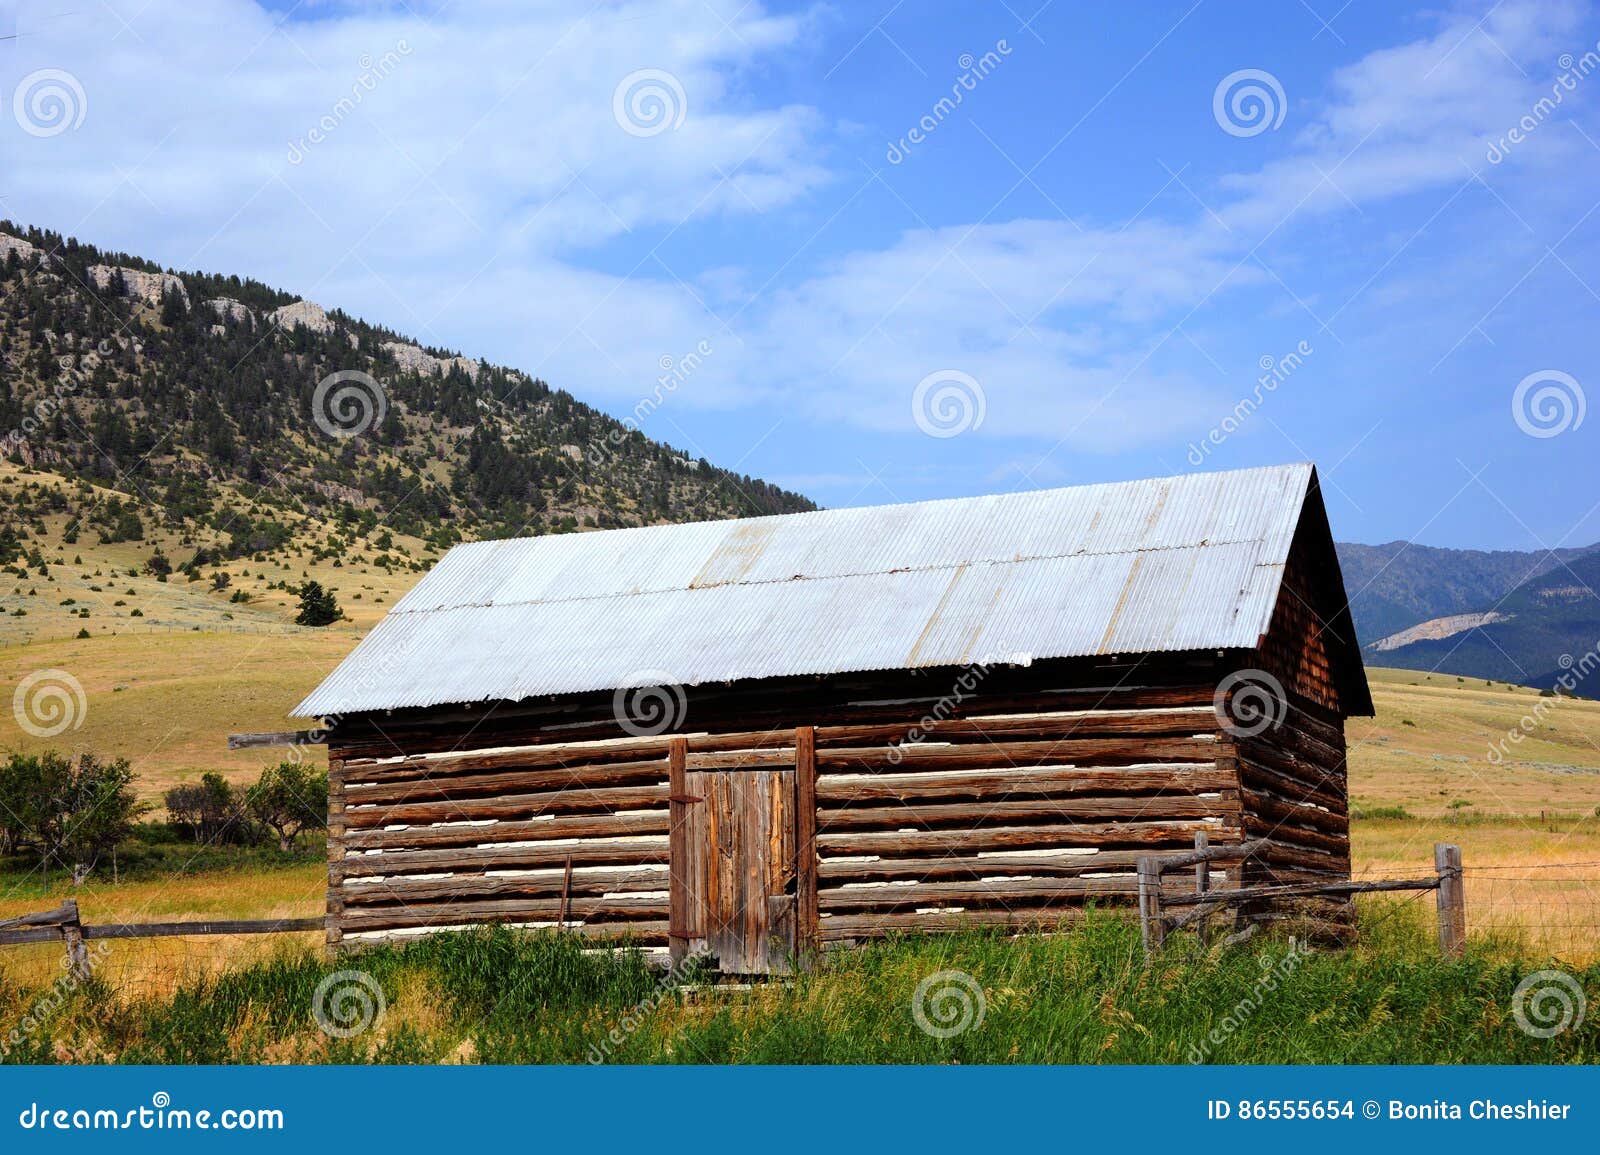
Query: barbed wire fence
x=1550 y=908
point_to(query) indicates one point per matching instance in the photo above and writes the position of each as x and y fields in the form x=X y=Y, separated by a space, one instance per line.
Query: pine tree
x=174 y=309
x=318 y=607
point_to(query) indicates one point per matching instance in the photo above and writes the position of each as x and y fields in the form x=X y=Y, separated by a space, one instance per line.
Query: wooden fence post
x=72 y=936
x=1452 y=900
x=1152 y=924
x=566 y=896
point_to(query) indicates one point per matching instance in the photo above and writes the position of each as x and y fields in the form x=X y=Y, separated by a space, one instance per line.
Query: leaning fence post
x=1152 y=926
x=72 y=936
x=1452 y=900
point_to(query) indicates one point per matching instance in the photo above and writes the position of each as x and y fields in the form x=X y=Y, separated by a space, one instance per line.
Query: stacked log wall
x=1014 y=819
x=931 y=809
x=1012 y=805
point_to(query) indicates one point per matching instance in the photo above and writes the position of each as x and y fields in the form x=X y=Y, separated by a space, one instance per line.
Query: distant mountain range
x=1525 y=617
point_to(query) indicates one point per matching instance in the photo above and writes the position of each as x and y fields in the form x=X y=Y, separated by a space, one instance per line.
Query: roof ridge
x=924 y=503
x=1204 y=543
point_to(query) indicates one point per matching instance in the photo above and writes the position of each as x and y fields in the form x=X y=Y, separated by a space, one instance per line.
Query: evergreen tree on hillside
x=318 y=606
x=174 y=309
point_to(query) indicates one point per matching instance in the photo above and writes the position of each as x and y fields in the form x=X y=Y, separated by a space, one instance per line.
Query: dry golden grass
x=1537 y=881
x=159 y=965
x=1428 y=751
x=109 y=580
x=1429 y=747
x=168 y=704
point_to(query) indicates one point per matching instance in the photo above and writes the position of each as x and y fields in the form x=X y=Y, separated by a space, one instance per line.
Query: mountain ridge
x=1397 y=585
x=203 y=391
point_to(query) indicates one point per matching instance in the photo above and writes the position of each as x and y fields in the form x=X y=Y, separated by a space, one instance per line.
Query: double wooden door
x=733 y=877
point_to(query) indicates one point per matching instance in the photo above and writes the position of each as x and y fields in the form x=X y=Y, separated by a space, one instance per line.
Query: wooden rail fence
x=63 y=924
x=1155 y=923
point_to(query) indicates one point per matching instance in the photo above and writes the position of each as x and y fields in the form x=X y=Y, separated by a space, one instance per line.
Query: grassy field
x=1082 y=997
x=182 y=702
x=169 y=708
x=169 y=668
x=168 y=704
x=166 y=689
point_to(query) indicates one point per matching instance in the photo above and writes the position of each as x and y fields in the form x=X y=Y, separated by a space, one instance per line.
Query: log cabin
x=754 y=739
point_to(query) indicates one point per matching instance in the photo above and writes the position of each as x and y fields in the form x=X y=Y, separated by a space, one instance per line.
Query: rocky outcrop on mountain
x=147 y=287
x=418 y=360
x=1402 y=584
x=10 y=244
x=1542 y=633
x=1437 y=629
x=228 y=308
x=306 y=314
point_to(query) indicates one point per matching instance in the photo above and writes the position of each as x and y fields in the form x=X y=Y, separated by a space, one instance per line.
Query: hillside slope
x=196 y=395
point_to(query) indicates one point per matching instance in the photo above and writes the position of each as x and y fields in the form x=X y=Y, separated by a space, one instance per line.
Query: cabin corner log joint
x=972 y=713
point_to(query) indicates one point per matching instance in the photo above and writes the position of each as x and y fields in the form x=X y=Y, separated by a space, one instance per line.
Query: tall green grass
x=1081 y=997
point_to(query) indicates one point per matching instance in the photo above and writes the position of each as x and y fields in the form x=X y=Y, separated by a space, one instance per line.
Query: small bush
x=1391 y=812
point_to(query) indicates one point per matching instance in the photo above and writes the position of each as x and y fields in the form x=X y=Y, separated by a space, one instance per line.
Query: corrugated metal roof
x=1170 y=564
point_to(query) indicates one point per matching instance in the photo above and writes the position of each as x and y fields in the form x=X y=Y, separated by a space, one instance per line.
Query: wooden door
x=733 y=868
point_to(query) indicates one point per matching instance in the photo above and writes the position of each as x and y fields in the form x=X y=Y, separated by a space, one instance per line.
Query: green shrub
x=1381 y=812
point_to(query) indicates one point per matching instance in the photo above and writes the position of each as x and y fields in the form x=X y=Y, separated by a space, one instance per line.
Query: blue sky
x=1096 y=249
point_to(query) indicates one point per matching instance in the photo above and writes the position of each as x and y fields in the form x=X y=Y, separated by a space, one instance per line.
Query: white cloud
x=481 y=195
x=487 y=130
x=1414 y=117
